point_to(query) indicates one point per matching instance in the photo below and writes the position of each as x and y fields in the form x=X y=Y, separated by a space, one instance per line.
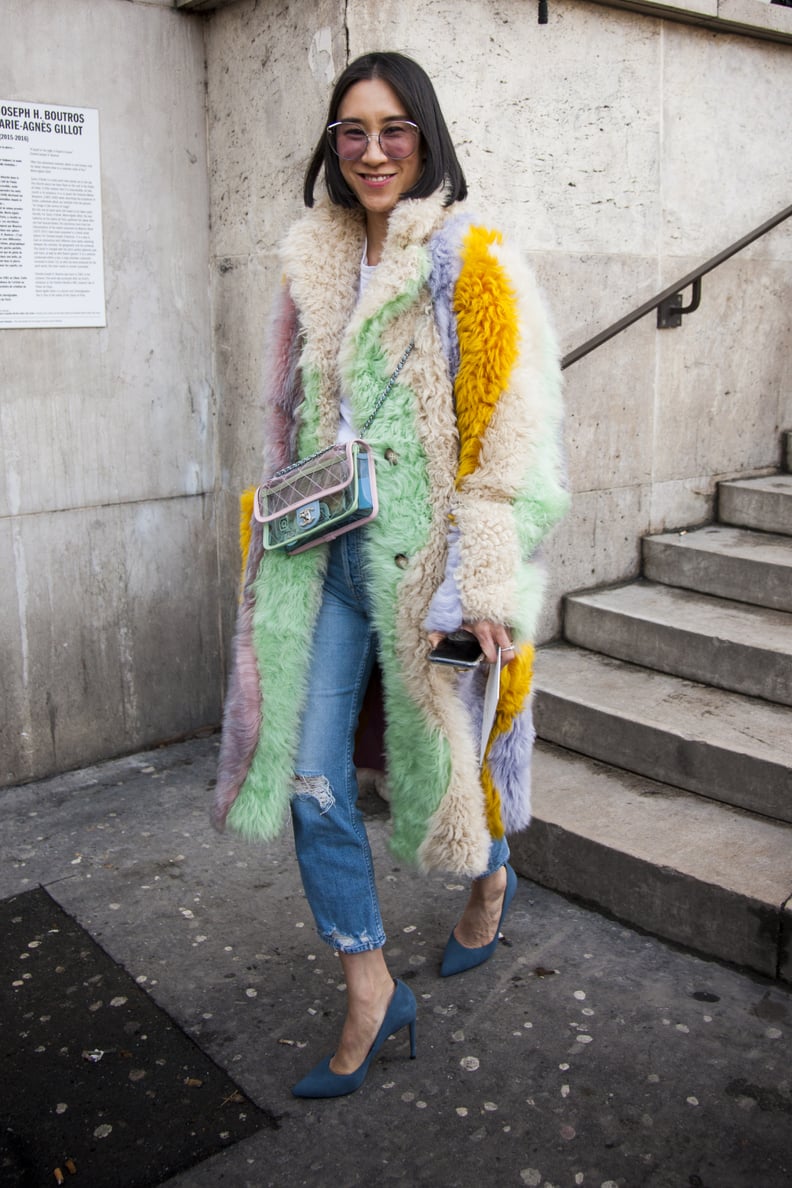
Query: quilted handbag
x=316 y=499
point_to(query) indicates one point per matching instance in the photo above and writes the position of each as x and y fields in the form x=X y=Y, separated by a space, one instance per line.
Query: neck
x=376 y=233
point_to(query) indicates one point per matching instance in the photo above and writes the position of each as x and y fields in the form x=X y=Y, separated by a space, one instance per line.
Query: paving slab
x=585 y=1053
x=724 y=745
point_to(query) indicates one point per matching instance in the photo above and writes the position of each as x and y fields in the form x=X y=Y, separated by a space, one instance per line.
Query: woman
x=467 y=457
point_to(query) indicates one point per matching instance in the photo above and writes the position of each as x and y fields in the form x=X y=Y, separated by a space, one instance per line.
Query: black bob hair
x=414 y=88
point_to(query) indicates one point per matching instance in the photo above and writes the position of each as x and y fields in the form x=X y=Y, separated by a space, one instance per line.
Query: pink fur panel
x=241 y=718
x=283 y=384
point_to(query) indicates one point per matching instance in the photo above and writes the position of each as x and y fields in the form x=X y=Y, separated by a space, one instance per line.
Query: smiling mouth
x=376 y=179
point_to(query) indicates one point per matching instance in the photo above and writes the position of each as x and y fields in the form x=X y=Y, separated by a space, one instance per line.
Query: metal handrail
x=669 y=303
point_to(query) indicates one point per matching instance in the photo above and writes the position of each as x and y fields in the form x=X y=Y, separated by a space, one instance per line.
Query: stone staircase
x=663 y=781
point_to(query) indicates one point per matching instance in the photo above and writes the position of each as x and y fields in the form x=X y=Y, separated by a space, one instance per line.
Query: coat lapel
x=321 y=258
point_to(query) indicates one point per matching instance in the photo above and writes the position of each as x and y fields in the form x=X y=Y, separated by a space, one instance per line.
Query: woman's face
x=377 y=181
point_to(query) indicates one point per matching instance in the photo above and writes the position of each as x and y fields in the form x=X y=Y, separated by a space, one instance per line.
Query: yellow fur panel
x=516 y=681
x=245 y=518
x=519 y=455
x=492 y=804
x=486 y=309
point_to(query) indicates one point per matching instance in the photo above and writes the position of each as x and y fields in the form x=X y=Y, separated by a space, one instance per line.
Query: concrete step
x=690 y=870
x=714 y=641
x=734 y=749
x=762 y=503
x=735 y=563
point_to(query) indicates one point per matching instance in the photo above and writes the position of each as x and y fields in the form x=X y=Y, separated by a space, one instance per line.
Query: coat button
x=401 y=560
x=391 y=456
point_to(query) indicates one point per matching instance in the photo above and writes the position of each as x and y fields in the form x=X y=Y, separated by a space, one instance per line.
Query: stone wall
x=109 y=629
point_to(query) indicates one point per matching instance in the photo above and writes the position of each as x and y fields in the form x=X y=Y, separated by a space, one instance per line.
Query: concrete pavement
x=584 y=1053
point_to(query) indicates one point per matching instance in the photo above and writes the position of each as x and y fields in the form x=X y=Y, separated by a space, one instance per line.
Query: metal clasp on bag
x=309 y=515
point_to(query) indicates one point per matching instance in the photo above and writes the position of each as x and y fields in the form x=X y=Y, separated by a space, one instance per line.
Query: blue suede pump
x=457 y=958
x=321 y=1081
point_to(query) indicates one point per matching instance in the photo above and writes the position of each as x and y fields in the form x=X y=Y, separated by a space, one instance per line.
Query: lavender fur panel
x=510 y=756
x=471 y=688
x=445 y=609
x=510 y=764
x=446 y=263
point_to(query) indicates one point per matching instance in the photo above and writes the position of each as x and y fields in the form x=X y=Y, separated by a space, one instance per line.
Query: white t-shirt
x=346 y=425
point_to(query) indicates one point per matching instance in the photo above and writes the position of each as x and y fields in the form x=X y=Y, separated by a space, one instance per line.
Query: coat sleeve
x=510 y=480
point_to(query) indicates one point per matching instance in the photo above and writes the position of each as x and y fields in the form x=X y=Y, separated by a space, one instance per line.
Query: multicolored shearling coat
x=468 y=467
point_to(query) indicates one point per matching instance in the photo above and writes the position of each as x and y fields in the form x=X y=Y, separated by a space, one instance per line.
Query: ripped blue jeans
x=330 y=838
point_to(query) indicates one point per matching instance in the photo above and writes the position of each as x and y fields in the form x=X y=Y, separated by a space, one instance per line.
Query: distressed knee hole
x=316 y=787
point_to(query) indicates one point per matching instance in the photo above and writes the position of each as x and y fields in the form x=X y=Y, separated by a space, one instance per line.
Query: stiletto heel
x=323 y=1082
x=457 y=958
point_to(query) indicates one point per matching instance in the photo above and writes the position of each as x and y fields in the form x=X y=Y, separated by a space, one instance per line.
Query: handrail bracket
x=671 y=311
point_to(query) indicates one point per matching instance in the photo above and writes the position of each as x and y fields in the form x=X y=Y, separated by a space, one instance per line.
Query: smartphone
x=460 y=649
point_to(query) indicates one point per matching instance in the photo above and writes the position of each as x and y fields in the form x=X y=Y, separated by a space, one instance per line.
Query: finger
x=483 y=631
x=501 y=638
x=507 y=647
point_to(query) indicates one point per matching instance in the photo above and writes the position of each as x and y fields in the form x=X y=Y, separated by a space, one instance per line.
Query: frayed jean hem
x=349 y=945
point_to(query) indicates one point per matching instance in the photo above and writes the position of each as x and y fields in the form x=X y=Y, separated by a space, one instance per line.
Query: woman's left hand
x=490 y=635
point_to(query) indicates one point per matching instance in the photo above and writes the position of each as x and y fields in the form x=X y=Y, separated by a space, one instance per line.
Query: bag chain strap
x=301 y=461
x=388 y=387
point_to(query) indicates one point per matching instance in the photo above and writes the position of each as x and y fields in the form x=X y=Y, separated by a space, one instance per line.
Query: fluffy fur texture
x=482 y=474
x=246 y=524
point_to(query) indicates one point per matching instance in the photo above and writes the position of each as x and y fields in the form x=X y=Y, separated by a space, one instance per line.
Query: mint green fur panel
x=419 y=771
x=418 y=756
x=535 y=511
x=288 y=592
x=541 y=503
x=369 y=372
x=419 y=763
x=307 y=413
